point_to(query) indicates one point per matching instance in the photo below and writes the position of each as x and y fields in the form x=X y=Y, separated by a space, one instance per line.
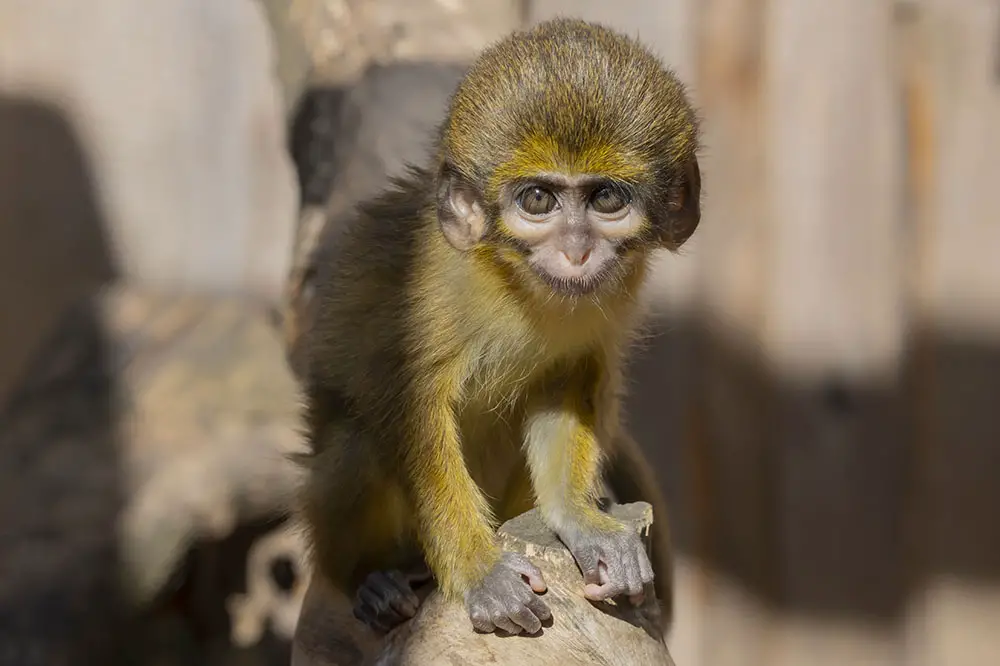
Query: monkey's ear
x=687 y=213
x=460 y=212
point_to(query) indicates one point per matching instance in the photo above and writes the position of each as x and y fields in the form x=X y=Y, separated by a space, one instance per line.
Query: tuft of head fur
x=572 y=97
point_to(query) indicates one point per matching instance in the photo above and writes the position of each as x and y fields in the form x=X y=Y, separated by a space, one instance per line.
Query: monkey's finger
x=378 y=606
x=400 y=595
x=497 y=613
x=523 y=566
x=538 y=607
x=481 y=621
x=645 y=572
x=606 y=588
x=367 y=597
x=589 y=564
x=396 y=599
x=370 y=619
x=631 y=580
x=602 y=592
x=525 y=618
x=645 y=566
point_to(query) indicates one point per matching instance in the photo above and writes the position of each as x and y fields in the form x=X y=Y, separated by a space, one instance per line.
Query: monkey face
x=572 y=231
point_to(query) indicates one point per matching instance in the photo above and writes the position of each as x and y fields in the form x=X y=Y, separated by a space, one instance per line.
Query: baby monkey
x=466 y=358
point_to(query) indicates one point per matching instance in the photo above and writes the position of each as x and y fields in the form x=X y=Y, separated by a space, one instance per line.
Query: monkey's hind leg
x=390 y=565
x=387 y=598
x=360 y=528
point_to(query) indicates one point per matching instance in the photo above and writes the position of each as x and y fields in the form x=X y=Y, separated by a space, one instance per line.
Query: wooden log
x=581 y=632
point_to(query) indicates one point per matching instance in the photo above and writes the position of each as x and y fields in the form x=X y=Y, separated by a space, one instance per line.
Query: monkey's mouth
x=578 y=286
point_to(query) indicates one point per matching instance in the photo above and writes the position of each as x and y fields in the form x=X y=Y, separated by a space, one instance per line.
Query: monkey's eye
x=609 y=199
x=536 y=201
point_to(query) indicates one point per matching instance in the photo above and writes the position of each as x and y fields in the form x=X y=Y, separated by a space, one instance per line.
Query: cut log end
x=581 y=632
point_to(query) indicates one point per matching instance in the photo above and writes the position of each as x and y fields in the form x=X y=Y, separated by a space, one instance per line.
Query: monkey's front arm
x=564 y=456
x=458 y=540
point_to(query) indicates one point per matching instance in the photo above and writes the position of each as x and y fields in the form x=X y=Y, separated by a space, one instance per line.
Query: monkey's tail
x=630 y=478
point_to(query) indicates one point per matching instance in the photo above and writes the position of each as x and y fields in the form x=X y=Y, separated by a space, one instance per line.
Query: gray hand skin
x=612 y=562
x=503 y=600
x=386 y=598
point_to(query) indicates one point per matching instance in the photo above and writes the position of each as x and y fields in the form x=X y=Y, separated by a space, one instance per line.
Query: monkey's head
x=569 y=152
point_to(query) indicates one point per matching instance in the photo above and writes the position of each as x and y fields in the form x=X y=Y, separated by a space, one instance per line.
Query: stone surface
x=581 y=633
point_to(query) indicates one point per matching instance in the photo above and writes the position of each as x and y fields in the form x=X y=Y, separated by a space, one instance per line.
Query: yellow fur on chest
x=505 y=365
x=492 y=446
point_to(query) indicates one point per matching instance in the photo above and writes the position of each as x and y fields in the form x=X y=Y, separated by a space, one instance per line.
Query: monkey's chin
x=577 y=287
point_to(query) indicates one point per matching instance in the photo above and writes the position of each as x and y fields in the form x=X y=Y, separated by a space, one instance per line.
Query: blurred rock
x=210 y=416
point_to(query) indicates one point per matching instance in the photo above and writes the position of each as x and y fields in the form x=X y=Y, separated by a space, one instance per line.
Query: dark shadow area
x=312 y=142
x=828 y=499
x=956 y=423
x=53 y=244
x=60 y=491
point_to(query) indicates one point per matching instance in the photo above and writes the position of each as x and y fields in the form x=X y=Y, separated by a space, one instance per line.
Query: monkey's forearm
x=564 y=455
x=456 y=531
x=452 y=514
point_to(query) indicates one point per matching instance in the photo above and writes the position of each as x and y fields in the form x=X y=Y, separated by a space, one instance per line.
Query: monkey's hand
x=386 y=599
x=503 y=600
x=613 y=562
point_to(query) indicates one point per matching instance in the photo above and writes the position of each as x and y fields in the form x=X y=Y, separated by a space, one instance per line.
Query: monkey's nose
x=577 y=257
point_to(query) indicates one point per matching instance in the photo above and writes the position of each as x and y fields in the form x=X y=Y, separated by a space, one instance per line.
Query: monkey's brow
x=559 y=181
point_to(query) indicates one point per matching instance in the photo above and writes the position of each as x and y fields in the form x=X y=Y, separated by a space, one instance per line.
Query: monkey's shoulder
x=362 y=291
x=383 y=228
x=375 y=246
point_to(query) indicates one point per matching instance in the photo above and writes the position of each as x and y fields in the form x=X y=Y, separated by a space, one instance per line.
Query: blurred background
x=820 y=395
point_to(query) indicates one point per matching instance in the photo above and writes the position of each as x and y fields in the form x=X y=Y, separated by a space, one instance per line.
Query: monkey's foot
x=386 y=599
x=505 y=601
x=612 y=563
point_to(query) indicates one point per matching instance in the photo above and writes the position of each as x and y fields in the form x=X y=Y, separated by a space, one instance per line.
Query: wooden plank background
x=821 y=393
